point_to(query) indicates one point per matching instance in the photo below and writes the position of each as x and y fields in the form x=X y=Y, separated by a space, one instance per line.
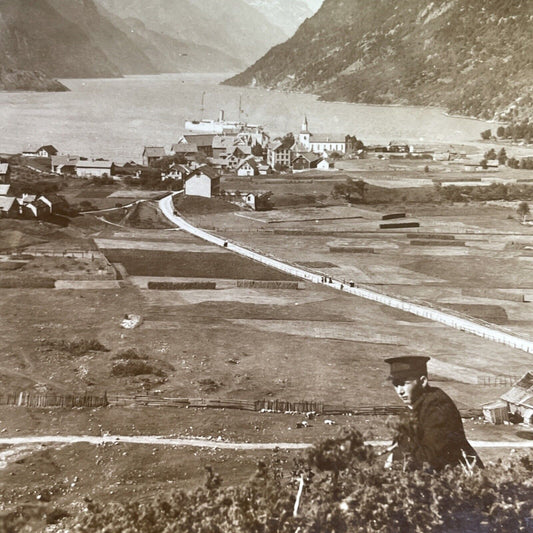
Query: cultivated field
x=311 y=343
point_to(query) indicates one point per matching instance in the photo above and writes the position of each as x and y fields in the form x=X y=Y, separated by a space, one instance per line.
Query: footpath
x=211 y=443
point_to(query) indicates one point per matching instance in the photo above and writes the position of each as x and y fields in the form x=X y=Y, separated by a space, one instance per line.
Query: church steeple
x=305 y=135
x=305 y=125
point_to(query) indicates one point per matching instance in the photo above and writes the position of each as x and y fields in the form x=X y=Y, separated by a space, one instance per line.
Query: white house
x=203 y=181
x=247 y=167
x=325 y=164
x=90 y=169
x=278 y=153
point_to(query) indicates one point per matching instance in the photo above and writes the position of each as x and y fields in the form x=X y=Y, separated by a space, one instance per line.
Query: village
x=198 y=160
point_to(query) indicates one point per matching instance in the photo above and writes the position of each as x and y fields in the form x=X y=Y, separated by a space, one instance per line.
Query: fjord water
x=116 y=118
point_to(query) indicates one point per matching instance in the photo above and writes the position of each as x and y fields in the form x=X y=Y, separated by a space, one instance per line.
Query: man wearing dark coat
x=431 y=432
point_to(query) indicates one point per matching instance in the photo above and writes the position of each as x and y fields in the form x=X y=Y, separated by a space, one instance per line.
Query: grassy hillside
x=473 y=57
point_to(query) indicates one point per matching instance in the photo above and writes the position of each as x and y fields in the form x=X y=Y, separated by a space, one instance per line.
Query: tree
x=500 y=132
x=491 y=154
x=257 y=150
x=486 y=135
x=502 y=156
x=351 y=190
x=523 y=210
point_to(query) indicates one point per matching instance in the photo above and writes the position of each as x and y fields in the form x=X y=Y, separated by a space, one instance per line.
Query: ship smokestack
x=221 y=115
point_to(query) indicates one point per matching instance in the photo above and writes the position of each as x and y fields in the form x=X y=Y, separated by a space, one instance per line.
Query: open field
x=248 y=343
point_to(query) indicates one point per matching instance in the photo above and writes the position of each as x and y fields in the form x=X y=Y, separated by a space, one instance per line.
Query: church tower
x=305 y=136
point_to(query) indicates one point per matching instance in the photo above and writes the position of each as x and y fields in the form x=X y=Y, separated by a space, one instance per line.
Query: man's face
x=409 y=390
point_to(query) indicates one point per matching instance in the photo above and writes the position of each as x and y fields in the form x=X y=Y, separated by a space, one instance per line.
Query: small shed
x=5 y=173
x=152 y=153
x=496 y=412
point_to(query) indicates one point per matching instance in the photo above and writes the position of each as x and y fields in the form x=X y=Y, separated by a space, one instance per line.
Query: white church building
x=321 y=142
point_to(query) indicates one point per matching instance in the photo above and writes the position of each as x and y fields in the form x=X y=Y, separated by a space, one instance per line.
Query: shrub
x=27 y=283
x=129 y=354
x=346 y=489
x=76 y=347
x=135 y=367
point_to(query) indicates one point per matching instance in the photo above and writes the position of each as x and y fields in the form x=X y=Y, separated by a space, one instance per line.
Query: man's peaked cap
x=409 y=366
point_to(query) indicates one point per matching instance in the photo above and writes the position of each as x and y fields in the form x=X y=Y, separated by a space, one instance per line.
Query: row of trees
x=519 y=131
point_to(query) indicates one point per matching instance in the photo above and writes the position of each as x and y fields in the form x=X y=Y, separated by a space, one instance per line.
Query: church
x=321 y=142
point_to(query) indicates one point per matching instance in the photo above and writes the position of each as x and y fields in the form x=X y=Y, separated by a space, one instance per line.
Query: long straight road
x=454 y=321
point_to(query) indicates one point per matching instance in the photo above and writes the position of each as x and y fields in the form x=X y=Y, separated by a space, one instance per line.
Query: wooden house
x=203 y=181
x=151 y=154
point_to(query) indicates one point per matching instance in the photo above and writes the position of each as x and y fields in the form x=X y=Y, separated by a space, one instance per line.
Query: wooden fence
x=26 y=399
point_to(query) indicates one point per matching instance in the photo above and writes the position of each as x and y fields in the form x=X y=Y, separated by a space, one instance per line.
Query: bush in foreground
x=345 y=489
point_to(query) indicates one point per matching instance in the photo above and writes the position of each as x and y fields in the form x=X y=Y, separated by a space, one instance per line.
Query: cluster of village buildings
x=198 y=159
x=25 y=205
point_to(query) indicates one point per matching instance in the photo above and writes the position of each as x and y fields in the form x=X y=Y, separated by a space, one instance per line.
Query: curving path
x=462 y=324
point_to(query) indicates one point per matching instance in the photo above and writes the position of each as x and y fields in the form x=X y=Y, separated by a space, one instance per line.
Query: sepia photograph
x=266 y=266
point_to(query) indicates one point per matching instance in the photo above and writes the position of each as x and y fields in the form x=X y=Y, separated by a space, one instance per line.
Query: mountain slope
x=35 y=37
x=230 y=26
x=168 y=54
x=118 y=48
x=474 y=57
x=24 y=80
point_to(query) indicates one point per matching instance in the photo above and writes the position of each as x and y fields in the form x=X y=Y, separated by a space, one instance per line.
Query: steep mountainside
x=286 y=14
x=35 y=37
x=120 y=49
x=172 y=55
x=23 y=80
x=474 y=57
x=230 y=26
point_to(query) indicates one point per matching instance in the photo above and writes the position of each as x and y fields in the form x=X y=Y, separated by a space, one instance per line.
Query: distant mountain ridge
x=474 y=57
x=286 y=14
x=230 y=26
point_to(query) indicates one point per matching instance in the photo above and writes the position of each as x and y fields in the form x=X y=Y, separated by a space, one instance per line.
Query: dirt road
x=208 y=443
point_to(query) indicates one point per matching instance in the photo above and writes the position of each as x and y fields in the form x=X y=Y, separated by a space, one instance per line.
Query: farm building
x=203 y=181
x=4 y=189
x=203 y=142
x=152 y=153
x=5 y=173
x=99 y=169
x=305 y=161
x=519 y=398
x=47 y=151
x=516 y=403
x=9 y=207
x=223 y=144
x=496 y=412
x=64 y=164
x=184 y=149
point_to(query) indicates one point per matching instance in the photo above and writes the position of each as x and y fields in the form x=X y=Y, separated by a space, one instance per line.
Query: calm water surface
x=116 y=118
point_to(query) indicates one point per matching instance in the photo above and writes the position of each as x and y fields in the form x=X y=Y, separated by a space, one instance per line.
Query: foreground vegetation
x=345 y=488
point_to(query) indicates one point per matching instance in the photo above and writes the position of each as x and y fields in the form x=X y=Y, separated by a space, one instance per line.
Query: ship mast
x=202 y=106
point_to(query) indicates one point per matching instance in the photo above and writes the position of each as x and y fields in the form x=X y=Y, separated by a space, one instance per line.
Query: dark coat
x=432 y=432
